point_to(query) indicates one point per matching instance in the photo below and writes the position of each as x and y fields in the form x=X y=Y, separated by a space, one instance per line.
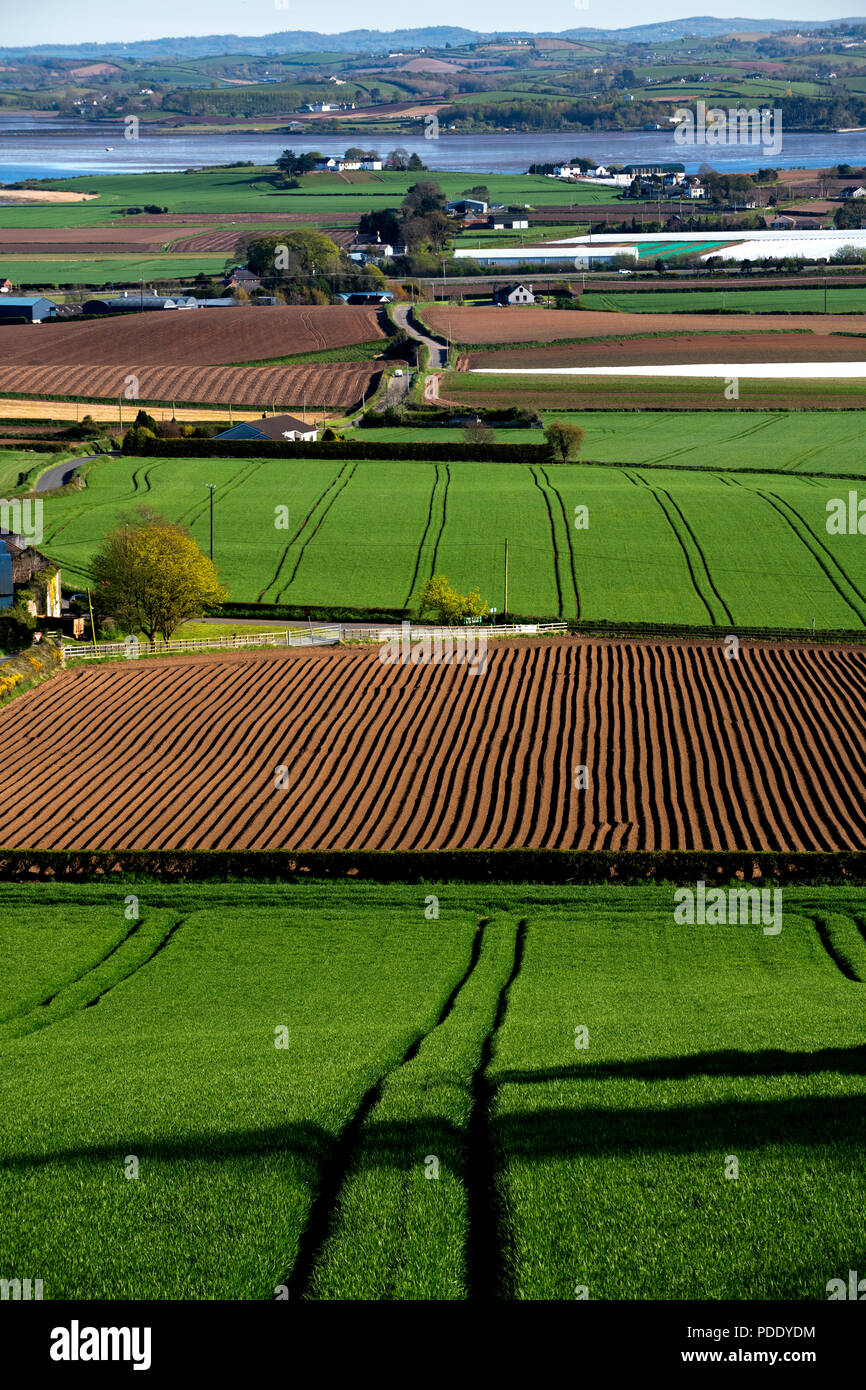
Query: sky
x=104 y=21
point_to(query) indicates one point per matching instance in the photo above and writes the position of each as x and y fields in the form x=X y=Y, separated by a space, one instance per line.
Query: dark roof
x=269 y=427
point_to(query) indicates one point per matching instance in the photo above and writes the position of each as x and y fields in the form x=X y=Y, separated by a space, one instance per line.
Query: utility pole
x=211 y=486
x=93 y=624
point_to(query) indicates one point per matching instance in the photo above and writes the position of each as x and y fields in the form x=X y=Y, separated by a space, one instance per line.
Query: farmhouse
x=853 y=191
x=22 y=566
x=346 y=166
x=275 y=428
x=642 y=171
x=242 y=279
x=513 y=294
x=33 y=308
x=371 y=248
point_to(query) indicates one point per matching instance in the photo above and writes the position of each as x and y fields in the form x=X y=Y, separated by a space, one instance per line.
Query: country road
x=62 y=473
x=438 y=352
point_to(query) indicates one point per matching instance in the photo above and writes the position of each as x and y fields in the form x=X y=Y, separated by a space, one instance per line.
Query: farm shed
x=7 y=588
x=274 y=427
x=136 y=303
x=31 y=307
x=367 y=297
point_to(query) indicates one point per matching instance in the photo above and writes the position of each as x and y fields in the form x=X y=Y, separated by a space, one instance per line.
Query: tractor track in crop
x=338 y=1164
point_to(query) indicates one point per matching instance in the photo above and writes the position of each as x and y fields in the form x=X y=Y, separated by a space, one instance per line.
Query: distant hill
x=376 y=41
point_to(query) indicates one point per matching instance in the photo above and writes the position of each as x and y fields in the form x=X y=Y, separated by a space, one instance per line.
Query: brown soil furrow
x=769 y=760
x=519 y=817
x=491 y=325
x=540 y=793
x=567 y=802
x=683 y=748
x=487 y=694
x=140 y=759
x=646 y=682
x=713 y=720
x=592 y=656
x=309 y=819
x=496 y=782
x=813 y=785
x=235 y=743
x=764 y=786
x=110 y=742
x=257 y=809
x=446 y=798
x=192 y=337
x=387 y=755
x=714 y=808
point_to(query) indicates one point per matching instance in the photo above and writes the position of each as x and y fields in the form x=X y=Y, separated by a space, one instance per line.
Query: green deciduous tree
x=152 y=575
x=565 y=440
x=446 y=604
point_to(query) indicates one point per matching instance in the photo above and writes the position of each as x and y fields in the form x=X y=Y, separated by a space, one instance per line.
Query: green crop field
x=102 y=270
x=226 y=191
x=535 y=1092
x=841 y=299
x=689 y=544
x=547 y=392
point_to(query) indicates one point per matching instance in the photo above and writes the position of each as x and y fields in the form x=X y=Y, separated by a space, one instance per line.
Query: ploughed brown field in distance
x=682 y=747
x=676 y=350
x=495 y=324
x=191 y=337
x=340 y=385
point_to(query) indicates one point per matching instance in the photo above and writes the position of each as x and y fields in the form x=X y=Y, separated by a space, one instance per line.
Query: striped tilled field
x=682 y=748
x=337 y=384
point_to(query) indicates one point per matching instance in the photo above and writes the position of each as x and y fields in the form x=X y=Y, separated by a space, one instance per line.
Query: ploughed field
x=495 y=324
x=189 y=337
x=681 y=748
x=353 y=1091
x=676 y=350
x=338 y=386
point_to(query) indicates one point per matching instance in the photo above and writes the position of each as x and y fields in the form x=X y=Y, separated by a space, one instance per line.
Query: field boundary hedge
x=439 y=866
x=608 y=629
x=418 y=452
x=316 y=614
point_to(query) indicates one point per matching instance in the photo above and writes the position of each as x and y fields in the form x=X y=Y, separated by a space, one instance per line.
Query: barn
x=33 y=308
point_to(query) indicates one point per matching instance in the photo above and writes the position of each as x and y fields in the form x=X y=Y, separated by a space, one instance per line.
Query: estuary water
x=56 y=147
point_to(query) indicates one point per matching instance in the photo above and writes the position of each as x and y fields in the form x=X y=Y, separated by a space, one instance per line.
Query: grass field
x=15 y=462
x=226 y=191
x=841 y=299
x=93 y=270
x=660 y=393
x=417 y=1119
x=662 y=545
x=815 y=443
